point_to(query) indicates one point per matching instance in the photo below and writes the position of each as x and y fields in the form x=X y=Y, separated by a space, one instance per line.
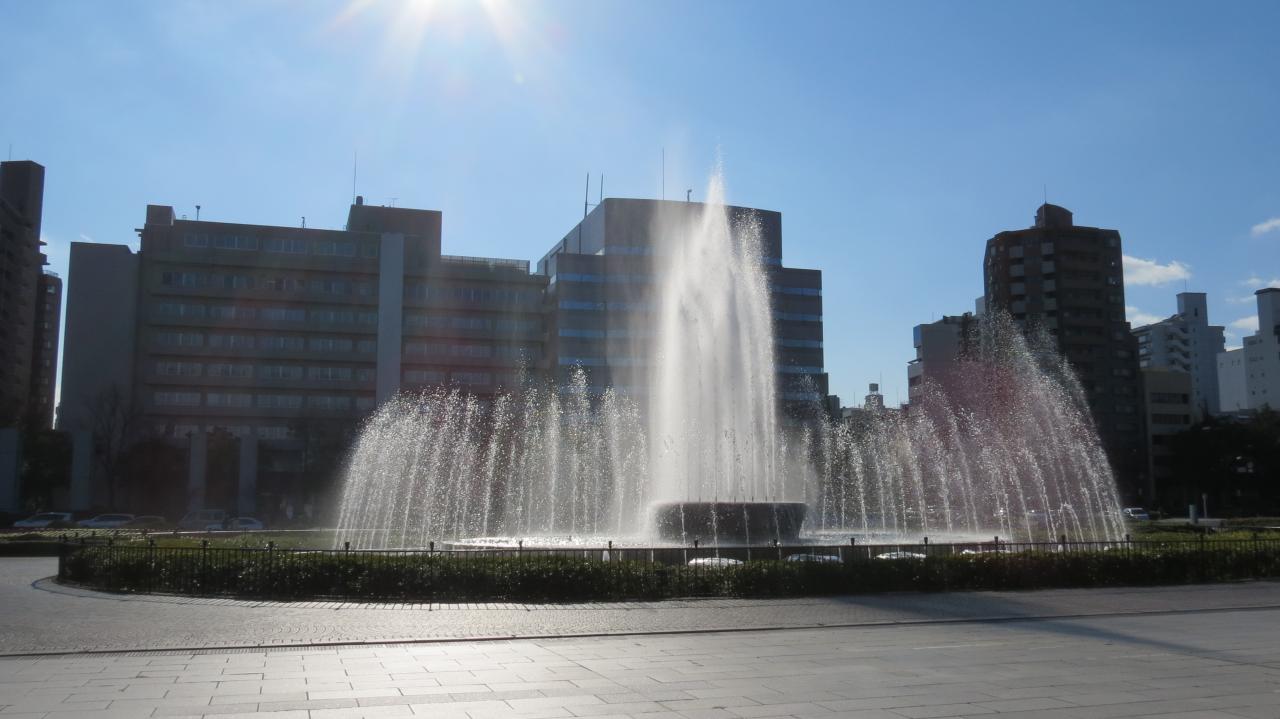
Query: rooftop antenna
x=1046 y=193
x=197 y=213
x=601 y=189
x=355 y=162
x=304 y=221
x=688 y=194
x=393 y=201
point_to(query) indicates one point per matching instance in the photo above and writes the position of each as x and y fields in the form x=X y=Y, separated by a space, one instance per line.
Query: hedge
x=477 y=576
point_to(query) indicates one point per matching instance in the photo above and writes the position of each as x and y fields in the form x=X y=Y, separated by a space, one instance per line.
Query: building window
x=279 y=401
x=280 y=371
x=228 y=399
x=283 y=314
x=177 y=399
x=180 y=339
x=231 y=371
x=329 y=374
x=179 y=369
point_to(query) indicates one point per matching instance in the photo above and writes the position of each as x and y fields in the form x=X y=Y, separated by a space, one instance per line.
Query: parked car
x=1136 y=513
x=148 y=521
x=714 y=562
x=202 y=519
x=900 y=555
x=819 y=558
x=106 y=521
x=242 y=524
x=44 y=520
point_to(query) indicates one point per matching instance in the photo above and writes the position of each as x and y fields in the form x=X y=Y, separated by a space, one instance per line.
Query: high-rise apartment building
x=1068 y=280
x=1249 y=376
x=29 y=301
x=602 y=276
x=260 y=333
x=1188 y=343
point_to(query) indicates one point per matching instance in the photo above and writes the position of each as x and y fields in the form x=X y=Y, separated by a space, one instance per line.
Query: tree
x=46 y=468
x=115 y=423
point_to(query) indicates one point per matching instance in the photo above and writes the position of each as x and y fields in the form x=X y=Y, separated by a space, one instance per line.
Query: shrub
x=480 y=576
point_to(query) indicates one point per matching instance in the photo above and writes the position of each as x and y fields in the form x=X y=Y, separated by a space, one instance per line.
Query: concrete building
x=264 y=342
x=1188 y=343
x=1069 y=280
x=938 y=346
x=1169 y=396
x=236 y=344
x=1249 y=376
x=29 y=301
x=601 y=278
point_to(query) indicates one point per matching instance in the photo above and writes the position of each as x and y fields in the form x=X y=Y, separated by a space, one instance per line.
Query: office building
x=1068 y=280
x=29 y=301
x=601 y=277
x=1188 y=343
x=1249 y=376
x=238 y=343
x=276 y=335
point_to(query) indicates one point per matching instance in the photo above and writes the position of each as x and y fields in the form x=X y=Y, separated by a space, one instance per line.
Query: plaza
x=1188 y=651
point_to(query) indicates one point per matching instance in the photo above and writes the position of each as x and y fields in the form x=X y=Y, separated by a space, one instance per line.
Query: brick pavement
x=46 y=618
x=1201 y=665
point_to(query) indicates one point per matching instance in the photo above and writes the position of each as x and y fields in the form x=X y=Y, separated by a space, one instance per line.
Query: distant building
x=1170 y=407
x=1249 y=376
x=601 y=281
x=1186 y=342
x=1069 y=280
x=29 y=301
x=938 y=347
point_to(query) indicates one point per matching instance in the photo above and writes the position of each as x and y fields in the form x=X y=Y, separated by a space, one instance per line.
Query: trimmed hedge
x=476 y=576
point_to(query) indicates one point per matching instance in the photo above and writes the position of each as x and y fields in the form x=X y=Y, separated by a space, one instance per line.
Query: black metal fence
x=615 y=573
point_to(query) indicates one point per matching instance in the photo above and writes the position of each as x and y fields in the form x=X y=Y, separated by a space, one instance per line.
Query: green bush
x=477 y=576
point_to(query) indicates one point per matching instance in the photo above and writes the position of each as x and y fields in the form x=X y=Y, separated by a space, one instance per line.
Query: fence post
x=271 y=568
x=204 y=566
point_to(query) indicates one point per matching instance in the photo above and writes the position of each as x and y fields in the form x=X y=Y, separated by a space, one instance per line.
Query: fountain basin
x=728 y=522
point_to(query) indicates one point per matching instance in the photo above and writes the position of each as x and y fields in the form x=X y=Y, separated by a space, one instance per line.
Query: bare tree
x=115 y=421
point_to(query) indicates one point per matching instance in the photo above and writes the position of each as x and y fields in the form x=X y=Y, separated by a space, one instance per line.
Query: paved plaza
x=1183 y=652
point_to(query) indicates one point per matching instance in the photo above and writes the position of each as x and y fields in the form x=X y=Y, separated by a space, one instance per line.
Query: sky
x=895 y=138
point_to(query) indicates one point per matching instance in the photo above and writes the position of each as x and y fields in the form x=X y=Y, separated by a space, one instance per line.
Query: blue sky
x=895 y=138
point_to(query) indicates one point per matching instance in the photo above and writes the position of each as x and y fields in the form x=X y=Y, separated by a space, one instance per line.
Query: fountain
x=1005 y=447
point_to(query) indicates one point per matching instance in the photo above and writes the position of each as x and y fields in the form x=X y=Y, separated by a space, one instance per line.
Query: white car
x=1137 y=513
x=106 y=521
x=900 y=555
x=818 y=558
x=239 y=524
x=202 y=519
x=714 y=562
x=44 y=519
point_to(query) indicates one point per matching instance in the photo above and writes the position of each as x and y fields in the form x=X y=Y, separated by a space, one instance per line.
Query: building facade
x=1188 y=343
x=30 y=300
x=1068 y=280
x=251 y=347
x=1169 y=401
x=273 y=342
x=601 y=278
x=1249 y=376
x=939 y=345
